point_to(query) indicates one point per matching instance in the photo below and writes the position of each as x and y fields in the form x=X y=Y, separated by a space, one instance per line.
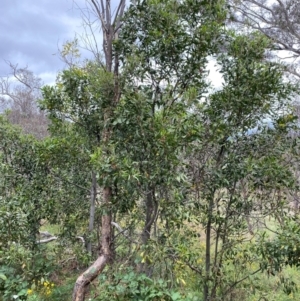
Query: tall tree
x=110 y=24
x=90 y=97
x=242 y=145
x=110 y=21
x=161 y=44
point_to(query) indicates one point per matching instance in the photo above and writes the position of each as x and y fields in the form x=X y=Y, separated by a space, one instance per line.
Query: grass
x=272 y=288
x=259 y=287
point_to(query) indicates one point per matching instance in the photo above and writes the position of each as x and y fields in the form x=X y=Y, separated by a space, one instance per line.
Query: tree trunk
x=149 y=219
x=106 y=233
x=207 y=252
x=84 y=280
x=92 y=212
x=151 y=211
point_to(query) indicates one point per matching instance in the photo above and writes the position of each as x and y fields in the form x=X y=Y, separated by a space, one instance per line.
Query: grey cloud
x=31 y=31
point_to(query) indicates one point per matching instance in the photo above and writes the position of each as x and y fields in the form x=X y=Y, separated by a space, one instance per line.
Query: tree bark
x=84 y=280
x=92 y=211
x=151 y=211
x=106 y=231
x=149 y=217
x=207 y=252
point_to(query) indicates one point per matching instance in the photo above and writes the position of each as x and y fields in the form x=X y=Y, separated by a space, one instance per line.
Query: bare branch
x=119 y=16
x=100 y=14
x=279 y=20
x=123 y=232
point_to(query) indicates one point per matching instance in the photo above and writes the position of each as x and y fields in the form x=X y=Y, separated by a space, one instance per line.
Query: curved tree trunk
x=84 y=280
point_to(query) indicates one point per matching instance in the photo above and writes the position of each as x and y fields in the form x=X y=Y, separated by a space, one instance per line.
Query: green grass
x=272 y=288
x=260 y=287
x=52 y=229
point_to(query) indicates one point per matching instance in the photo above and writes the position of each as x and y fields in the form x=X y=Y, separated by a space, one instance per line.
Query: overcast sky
x=31 y=32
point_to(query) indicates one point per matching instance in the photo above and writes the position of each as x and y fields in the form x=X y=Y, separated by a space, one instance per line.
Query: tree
x=110 y=24
x=89 y=97
x=166 y=149
x=23 y=204
x=240 y=159
x=168 y=46
x=278 y=20
x=161 y=44
x=20 y=93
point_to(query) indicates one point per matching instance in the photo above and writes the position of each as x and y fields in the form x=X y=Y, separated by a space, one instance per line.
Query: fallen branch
x=45 y=234
x=51 y=237
x=44 y=241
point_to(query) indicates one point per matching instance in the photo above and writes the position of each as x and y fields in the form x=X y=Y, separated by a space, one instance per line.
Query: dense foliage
x=200 y=176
